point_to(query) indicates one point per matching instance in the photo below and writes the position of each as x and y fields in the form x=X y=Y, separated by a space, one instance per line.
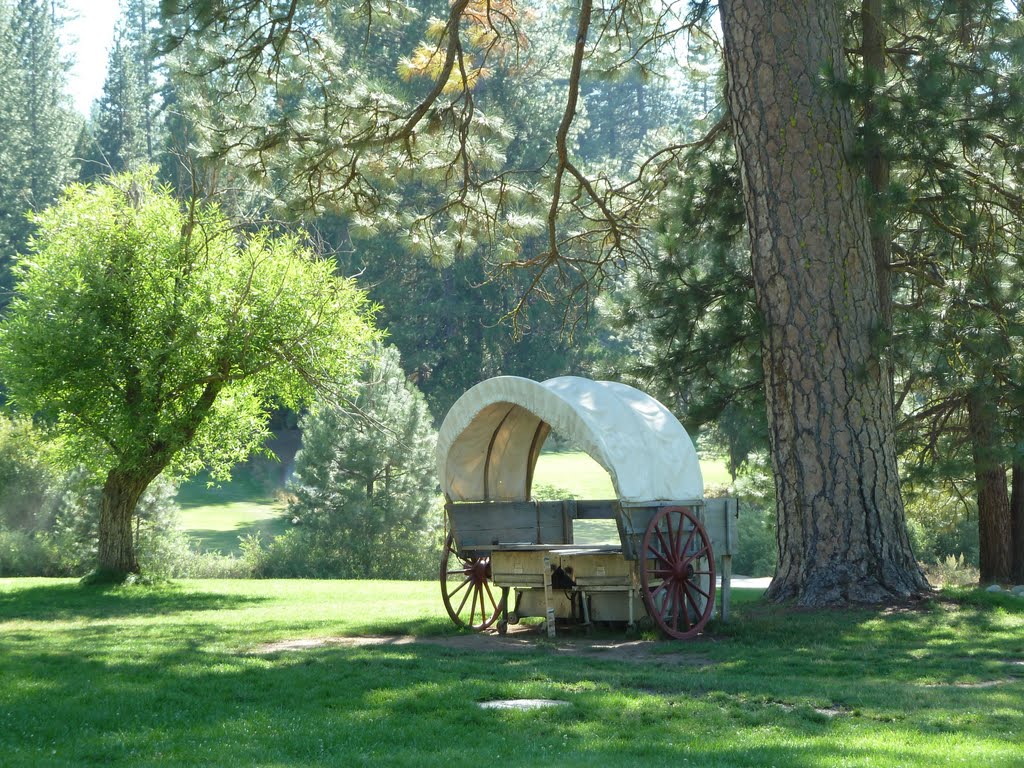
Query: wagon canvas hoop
x=491 y=438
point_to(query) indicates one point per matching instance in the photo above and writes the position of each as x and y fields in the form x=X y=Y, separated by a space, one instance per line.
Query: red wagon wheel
x=677 y=572
x=467 y=589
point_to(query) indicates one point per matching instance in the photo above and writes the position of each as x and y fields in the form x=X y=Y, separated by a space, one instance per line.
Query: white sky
x=88 y=39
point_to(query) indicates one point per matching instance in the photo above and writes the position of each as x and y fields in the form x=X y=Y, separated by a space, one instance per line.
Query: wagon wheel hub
x=682 y=571
x=480 y=570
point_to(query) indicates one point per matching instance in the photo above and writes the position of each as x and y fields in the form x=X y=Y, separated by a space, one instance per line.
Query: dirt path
x=522 y=640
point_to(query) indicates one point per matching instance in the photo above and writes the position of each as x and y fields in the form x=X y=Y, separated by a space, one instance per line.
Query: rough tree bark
x=876 y=164
x=121 y=493
x=994 y=524
x=841 y=527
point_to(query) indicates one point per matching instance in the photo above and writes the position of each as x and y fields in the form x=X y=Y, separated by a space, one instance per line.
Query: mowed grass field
x=218 y=516
x=183 y=675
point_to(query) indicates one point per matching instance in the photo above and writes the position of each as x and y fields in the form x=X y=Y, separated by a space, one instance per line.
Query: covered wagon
x=507 y=555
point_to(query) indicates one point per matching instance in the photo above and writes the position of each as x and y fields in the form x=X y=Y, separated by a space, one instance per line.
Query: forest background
x=680 y=323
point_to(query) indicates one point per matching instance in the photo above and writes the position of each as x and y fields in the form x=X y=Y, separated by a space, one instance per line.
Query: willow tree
x=157 y=337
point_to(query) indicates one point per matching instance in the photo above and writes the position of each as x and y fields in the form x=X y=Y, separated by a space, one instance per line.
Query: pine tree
x=13 y=141
x=37 y=125
x=46 y=110
x=119 y=135
x=365 y=478
x=936 y=147
x=140 y=33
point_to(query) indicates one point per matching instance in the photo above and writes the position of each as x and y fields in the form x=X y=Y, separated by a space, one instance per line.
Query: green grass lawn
x=217 y=516
x=170 y=676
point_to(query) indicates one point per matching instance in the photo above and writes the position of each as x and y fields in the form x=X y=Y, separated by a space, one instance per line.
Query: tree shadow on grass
x=51 y=602
x=410 y=705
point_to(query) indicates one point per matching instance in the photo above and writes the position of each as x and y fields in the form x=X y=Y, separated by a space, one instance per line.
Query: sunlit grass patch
x=169 y=674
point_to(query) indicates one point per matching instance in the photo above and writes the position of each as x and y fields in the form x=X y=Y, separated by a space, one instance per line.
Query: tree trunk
x=994 y=527
x=1017 y=520
x=841 y=528
x=121 y=493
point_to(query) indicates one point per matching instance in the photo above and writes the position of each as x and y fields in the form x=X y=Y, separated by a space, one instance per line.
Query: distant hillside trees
x=115 y=141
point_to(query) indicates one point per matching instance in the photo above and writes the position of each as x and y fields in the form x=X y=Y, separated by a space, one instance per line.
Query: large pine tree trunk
x=841 y=529
x=121 y=493
x=994 y=526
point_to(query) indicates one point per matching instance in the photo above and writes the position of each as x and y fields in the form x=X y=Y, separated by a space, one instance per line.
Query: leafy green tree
x=156 y=338
x=365 y=480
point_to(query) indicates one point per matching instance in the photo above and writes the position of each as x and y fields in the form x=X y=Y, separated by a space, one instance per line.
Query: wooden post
x=549 y=608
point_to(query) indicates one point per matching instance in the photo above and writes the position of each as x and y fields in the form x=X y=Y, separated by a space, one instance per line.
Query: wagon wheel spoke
x=684 y=608
x=471 y=610
x=671 y=587
x=702 y=552
x=692 y=602
x=672 y=542
x=490 y=596
x=665 y=552
x=454 y=592
x=682 y=552
x=676 y=599
x=707 y=595
x=465 y=597
x=474 y=594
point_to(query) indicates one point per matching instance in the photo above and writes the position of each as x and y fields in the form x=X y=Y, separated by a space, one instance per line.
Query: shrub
x=27 y=554
x=942 y=524
x=757 y=550
x=952 y=571
x=27 y=480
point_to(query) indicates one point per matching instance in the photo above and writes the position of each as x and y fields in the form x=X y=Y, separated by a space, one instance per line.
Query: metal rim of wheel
x=677 y=573
x=466 y=588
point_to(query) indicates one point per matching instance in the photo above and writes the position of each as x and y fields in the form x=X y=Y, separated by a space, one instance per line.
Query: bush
x=952 y=571
x=27 y=481
x=942 y=524
x=49 y=521
x=27 y=554
x=66 y=545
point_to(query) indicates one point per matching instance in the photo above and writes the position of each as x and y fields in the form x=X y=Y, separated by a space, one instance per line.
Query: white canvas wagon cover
x=490 y=440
